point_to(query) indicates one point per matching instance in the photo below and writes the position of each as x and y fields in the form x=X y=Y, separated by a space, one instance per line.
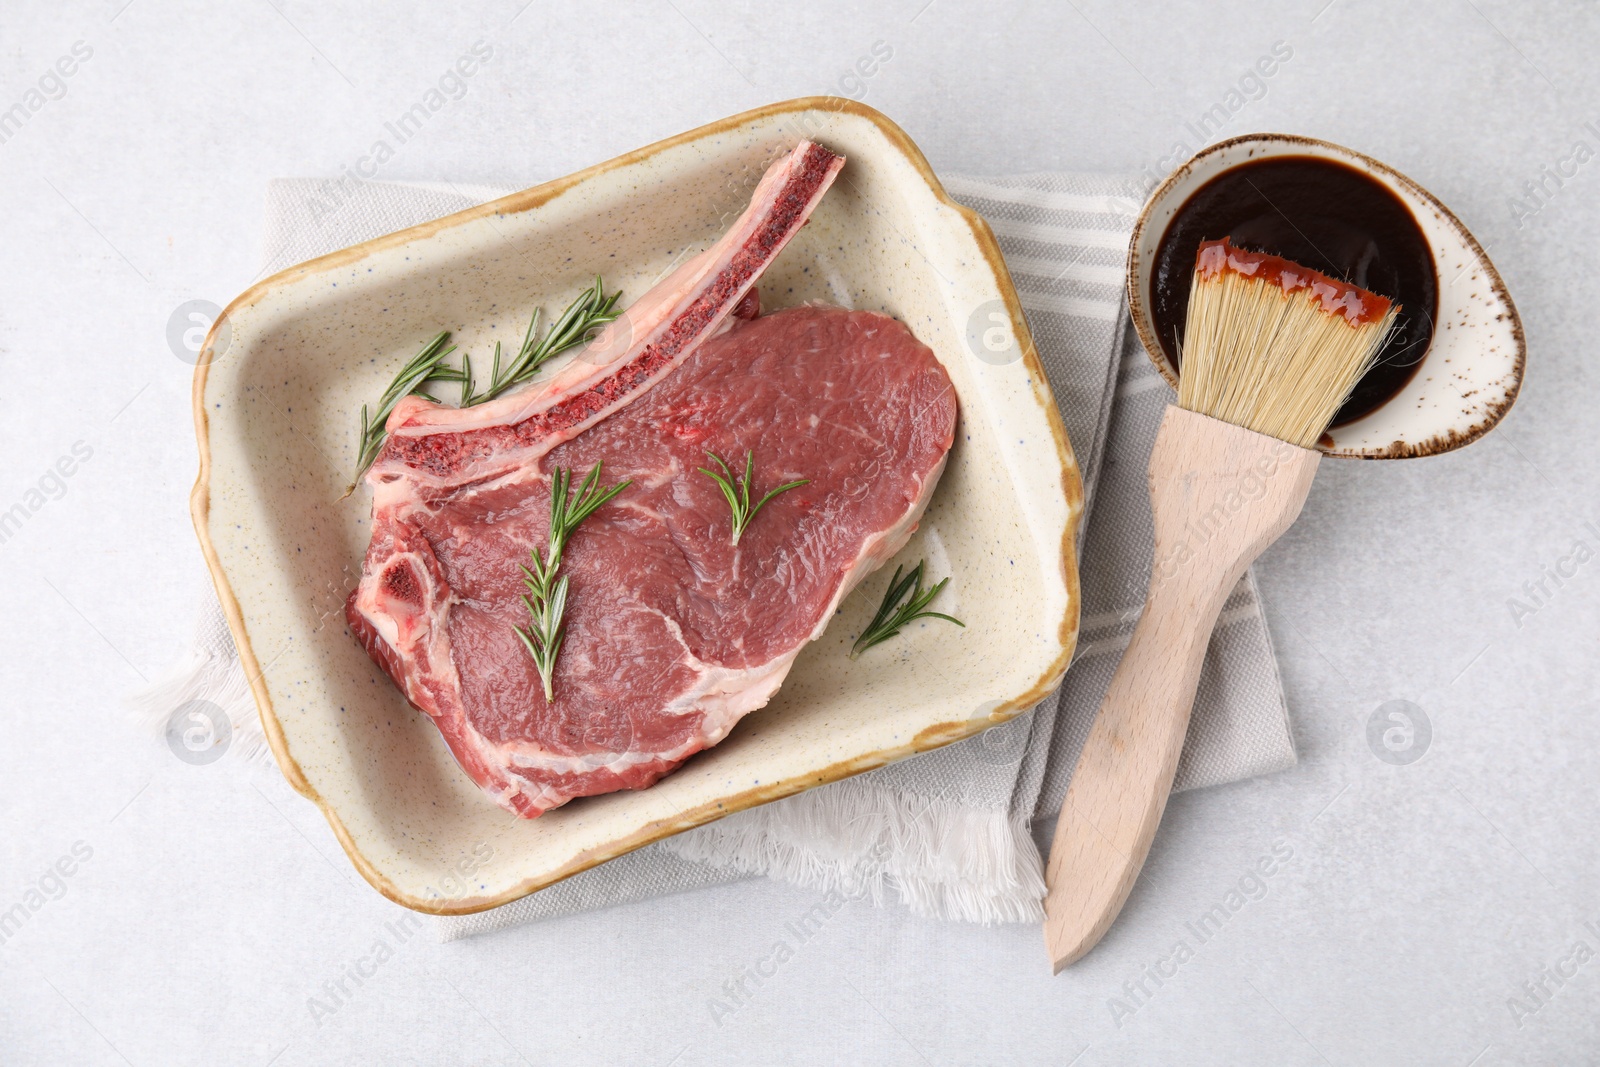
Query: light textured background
x=1418 y=898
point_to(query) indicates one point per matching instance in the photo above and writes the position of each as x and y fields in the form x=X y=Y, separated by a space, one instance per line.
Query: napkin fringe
x=942 y=859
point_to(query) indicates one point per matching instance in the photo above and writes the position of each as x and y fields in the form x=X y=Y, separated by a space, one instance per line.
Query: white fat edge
x=386 y=625
x=402 y=495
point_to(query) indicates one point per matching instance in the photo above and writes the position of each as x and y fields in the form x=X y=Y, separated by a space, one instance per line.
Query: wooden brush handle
x=1220 y=495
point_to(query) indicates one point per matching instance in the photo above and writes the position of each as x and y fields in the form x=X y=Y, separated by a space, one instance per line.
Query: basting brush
x=1271 y=352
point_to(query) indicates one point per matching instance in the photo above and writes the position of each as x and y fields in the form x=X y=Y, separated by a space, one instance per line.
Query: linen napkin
x=947 y=832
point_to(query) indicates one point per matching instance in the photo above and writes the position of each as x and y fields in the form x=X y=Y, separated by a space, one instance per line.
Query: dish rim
x=931 y=737
x=1434 y=446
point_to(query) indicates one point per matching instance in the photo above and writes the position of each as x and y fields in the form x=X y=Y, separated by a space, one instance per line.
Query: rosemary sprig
x=546 y=598
x=904 y=602
x=592 y=309
x=418 y=371
x=737 y=490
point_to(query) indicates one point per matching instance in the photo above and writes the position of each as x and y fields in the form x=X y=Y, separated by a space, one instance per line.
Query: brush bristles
x=1271 y=360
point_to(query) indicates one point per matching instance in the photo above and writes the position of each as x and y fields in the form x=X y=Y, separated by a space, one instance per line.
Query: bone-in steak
x=673 y=632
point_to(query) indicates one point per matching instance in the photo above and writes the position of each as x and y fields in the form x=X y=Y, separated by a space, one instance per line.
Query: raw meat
x=673 y=632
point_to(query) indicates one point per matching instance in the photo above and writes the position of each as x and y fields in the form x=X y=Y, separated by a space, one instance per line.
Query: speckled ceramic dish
x=1472 y=371
x=277 y=414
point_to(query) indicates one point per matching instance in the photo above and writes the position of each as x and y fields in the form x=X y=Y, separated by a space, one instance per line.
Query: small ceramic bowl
x=1472 y=370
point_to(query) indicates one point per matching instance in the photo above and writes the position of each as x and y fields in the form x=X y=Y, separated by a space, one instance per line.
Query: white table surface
x=215 y=904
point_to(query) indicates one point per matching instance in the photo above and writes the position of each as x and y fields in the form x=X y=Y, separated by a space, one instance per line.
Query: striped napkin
x=950 y=833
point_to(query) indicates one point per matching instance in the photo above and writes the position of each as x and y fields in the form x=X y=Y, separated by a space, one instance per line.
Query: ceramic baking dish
x=277 y=415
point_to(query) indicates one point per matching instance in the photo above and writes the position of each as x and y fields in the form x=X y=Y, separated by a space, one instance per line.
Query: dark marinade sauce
x=1327 y=216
